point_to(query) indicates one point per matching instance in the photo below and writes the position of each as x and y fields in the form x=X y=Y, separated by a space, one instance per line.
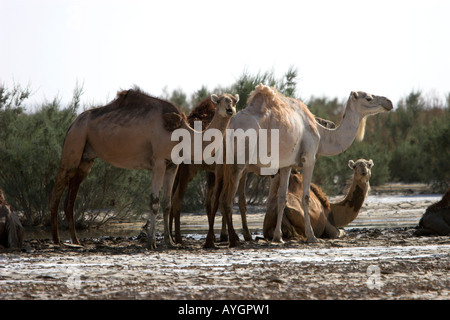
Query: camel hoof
x=278 y=241
x=209 y=245
x=151 y=245
x=73 y=245
x=313 y=240
x=234 y=244
x=171 y=245
x=223 y=238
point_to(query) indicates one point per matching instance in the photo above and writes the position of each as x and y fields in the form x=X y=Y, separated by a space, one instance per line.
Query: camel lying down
x=11 y=230
x=436 y=219
x=326 y=217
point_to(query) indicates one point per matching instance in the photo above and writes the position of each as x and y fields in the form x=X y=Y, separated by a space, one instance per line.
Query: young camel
x=326 y=217
x=133 y=131
x=11 y=230
x=301 y=141
x=203 y=112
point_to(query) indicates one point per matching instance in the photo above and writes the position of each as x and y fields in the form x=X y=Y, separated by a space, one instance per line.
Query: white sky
x=383 y=47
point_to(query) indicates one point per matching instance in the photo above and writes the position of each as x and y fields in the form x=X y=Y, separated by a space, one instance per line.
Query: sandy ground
x=378 y=258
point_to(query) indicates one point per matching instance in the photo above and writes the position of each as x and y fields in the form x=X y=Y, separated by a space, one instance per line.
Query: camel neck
x=335 y=141
x=346 y=210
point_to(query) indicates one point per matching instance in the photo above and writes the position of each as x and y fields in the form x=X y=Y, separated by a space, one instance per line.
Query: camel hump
x=267 y=92
x=122 y=94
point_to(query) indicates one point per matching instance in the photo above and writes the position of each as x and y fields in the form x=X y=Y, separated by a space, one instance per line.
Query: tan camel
x=436 y=219
x=204 y=112
x=326 y=217
x=11 y=230
x=301 y=141
x=132 y=132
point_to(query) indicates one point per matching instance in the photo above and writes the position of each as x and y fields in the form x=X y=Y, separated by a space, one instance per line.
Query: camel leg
x=74 y=184
x=308 y=168
x=158 y=173
x=72 y=152
x=243 y=208
x=282 y=196
x=184 y=175
x=62 y=181
x=224 y=230
x=166 y=202
x=58 y=189
x=226 y=202
x=217 y=191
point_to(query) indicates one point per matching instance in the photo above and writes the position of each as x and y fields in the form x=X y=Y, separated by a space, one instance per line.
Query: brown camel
x=301 y=141
x=204 y=112
x=134 y=131
x=436 y=219
x=11 y=230
x=326 y=217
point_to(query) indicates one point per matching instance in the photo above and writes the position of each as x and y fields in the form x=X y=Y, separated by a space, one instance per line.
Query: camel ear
x=236 y=96
x=351 y=164
x=354 y=95
x=215 y=98
x=370 y=163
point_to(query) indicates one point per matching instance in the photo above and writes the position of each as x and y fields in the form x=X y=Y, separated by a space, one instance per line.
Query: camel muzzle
x=230 y=112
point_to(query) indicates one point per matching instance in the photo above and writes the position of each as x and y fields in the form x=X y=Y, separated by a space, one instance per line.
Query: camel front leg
x=226 y=200
x=158 y=173
x=242 y=202
x=282 y=196
x=243 y=207
x=216 y=193
x=308 y=169
x=169 y=178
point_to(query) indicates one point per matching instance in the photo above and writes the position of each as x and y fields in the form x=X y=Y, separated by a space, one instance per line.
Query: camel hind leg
x=161 y=178
x=72 y=153
x=69 y=203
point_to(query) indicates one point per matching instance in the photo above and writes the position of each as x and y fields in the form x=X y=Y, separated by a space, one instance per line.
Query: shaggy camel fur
x=11 y=230
x=326 y=217
x=134 y=131
x=301 y=141
x=436 y=219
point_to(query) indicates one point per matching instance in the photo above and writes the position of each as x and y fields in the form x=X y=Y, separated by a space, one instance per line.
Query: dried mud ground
x=378 y=258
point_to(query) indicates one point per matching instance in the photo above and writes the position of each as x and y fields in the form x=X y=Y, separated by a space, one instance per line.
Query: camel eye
x=369 y=98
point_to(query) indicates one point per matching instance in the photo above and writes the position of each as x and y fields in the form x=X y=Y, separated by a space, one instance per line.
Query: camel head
x=225 y=104
x=365 y=105
x=362 y=169
x=368 y=104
